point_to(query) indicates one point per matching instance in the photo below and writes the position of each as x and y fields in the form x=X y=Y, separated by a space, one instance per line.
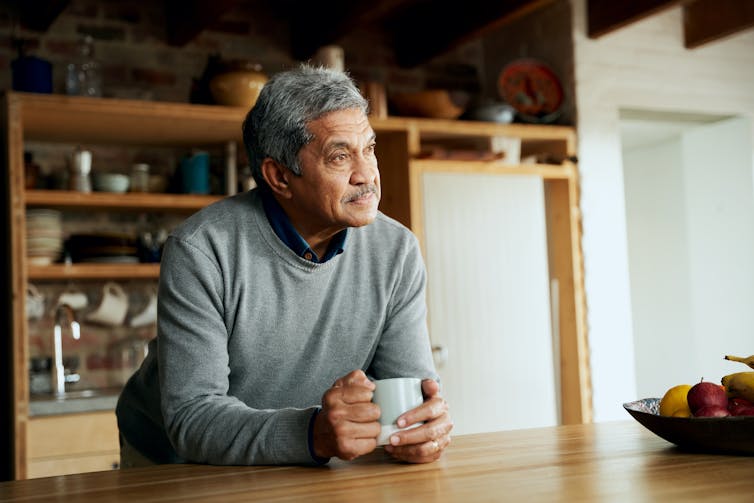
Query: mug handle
x=33 y=291
x=115 y=289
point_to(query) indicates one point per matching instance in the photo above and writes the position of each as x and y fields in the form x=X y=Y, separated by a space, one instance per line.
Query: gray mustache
x=361 y=192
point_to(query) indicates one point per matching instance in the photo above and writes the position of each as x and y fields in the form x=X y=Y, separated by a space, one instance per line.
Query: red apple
x=740 y=407
x=737 y=404
x=706 y=394
x=712 y=411
x=744 y=411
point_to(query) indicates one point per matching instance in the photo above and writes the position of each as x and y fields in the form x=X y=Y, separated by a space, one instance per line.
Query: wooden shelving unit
x=93 y=271
x=76 y=120
x=132 y=201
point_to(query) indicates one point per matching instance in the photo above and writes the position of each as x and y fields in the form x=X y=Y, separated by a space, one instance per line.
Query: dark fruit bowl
x=726 y=435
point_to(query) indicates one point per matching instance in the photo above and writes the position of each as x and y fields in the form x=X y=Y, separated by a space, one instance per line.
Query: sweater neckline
x=278 y=247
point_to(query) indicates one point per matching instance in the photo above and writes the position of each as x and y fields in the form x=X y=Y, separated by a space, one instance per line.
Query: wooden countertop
x=604 y=462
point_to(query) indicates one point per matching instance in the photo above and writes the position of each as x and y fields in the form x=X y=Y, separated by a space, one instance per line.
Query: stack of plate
x=44 y=236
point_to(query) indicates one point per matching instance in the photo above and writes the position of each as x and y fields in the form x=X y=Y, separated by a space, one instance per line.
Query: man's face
x=339 y=185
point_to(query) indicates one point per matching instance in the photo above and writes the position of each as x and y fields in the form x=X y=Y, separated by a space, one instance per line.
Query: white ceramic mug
x=74 y=298
x=148 y=315
x=113 y=307
x=35 y=303
x=396 y=396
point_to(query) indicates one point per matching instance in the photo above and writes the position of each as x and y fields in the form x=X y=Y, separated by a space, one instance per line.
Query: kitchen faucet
x=63 y=314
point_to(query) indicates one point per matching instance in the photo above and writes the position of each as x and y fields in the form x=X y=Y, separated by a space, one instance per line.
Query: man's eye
x=371 y=148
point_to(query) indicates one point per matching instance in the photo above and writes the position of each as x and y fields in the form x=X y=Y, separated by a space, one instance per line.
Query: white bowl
x=110 y=182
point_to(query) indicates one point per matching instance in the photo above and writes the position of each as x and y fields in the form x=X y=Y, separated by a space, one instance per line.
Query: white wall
x=690 y=220
x=720 y=209
x=657 y=244
x=641 y=66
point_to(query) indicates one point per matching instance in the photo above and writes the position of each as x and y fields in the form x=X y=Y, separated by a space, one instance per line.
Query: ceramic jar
x=238 y=85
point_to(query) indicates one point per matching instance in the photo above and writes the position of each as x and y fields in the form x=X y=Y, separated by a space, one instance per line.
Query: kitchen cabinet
x=72 y=443
x=408 y=149
x=63 y=120
x=425 y=150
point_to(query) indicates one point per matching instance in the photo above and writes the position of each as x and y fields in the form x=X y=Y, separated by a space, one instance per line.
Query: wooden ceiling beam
x=605 y=16
x=708 y=20
x=188 y=18
x=448 y=24
x=316 y=24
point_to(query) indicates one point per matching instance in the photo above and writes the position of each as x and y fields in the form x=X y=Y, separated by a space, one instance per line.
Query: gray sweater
x=250 y=335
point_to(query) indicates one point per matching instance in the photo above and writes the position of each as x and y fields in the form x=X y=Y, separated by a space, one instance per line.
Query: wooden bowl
x=432 y=103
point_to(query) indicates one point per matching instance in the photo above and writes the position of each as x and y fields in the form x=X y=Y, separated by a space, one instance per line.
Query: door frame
x=565 y=260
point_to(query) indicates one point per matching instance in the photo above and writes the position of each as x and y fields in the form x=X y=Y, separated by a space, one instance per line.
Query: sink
x=74 y=401
x=77 y=394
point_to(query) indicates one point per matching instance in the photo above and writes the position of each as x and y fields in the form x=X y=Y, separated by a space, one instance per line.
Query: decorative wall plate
x=533 y=89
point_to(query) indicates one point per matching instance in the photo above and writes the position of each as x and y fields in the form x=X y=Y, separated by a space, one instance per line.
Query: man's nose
x=365 y=170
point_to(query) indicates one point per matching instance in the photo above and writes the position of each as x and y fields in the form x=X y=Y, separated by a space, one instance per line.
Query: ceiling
x=643 y=128
x=416 y=30
x=703 y=20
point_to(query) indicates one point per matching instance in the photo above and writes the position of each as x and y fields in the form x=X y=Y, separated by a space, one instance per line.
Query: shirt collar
x=284 y=230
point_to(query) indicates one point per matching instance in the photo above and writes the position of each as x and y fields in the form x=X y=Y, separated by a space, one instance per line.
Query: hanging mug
x=74 y=298
x=113 y=307
x=35 y=303
x=148 y=315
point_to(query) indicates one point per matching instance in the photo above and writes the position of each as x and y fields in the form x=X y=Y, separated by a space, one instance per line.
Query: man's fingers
x=432 y=408
x=425 y=452
x=430 y=388
x=351 y=448
x=355 y=377
x=434 y=429
x=347 y=395
x=358 y=413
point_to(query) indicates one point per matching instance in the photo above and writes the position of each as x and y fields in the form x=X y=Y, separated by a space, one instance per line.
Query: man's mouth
x=361 y=195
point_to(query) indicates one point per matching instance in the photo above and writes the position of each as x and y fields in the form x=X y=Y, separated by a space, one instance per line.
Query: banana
x=749 y=360
x=740 y=385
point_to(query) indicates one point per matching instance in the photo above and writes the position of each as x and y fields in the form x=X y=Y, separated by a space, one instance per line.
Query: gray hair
x=276 y=126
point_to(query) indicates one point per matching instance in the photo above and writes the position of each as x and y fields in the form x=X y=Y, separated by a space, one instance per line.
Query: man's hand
x=347 y=426
x=424 y=443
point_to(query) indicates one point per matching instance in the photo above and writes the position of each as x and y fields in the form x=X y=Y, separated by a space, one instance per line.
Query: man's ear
x=276 y=175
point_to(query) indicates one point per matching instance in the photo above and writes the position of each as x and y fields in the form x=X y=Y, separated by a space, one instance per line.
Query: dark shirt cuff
x=318 y=460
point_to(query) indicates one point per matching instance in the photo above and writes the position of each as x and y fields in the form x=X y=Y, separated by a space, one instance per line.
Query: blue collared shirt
x=283 y=228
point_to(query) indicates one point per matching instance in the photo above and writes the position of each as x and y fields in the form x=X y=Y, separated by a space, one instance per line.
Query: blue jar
x=32 y=75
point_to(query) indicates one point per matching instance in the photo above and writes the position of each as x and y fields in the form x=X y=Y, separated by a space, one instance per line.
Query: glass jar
x=140 y=177
x=84 y=73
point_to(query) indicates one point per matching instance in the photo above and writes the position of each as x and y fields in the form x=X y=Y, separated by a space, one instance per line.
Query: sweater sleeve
x=404 y=349
x=204 y=423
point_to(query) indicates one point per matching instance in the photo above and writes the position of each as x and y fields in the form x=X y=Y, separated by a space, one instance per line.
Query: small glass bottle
x=84 y=74
x=140 y=177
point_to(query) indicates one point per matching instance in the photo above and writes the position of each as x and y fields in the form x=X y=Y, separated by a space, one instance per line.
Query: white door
x=489 y=299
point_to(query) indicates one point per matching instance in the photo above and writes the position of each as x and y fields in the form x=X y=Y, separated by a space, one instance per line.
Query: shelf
x=128 y=201
x=108 y=120
x=565 y=171
x=93 y=271
x=75 y=119
x=442 y=128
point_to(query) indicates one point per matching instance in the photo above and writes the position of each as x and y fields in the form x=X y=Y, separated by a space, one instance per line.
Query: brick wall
x=138 y=63
x=130 y=43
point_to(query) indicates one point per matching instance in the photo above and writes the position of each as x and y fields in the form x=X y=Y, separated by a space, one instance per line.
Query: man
x=276 y=305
